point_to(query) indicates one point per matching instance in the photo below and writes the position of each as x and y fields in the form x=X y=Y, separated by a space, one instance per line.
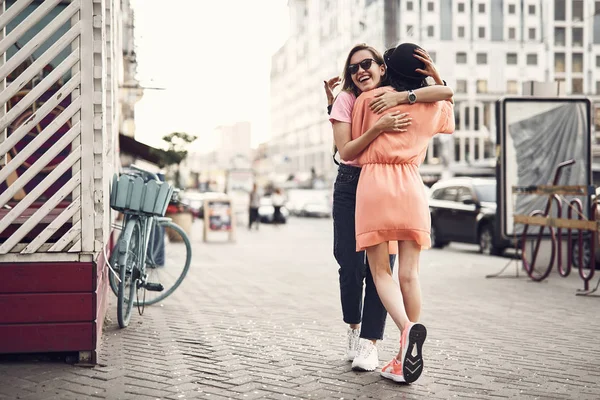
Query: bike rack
x=556 y=225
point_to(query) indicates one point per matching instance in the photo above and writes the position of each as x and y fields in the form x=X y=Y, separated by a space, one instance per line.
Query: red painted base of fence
x=53 y=307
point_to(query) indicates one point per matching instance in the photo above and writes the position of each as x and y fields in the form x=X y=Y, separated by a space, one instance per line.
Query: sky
x=213 y=57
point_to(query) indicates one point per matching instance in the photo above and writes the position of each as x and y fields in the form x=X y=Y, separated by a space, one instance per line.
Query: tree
x=176 y=152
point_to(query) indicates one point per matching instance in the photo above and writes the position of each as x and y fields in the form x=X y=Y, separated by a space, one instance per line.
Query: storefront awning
x=139 y=150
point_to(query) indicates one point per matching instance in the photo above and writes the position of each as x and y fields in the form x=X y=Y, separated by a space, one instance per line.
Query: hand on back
x=394 y=122
x=383 y=101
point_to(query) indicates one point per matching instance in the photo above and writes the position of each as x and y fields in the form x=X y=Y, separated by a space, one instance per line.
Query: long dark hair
x=347 y=82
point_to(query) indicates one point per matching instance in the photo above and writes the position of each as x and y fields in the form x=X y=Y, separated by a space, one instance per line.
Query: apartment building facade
x=484 y=49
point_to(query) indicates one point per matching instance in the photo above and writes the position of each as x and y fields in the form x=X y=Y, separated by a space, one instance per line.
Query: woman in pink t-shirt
x=364 y=70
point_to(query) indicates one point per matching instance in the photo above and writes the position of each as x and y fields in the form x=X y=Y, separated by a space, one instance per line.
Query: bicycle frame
x=556 y=237
x=147 y=223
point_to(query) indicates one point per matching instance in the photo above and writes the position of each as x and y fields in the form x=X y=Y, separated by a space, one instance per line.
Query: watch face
x=412 y=97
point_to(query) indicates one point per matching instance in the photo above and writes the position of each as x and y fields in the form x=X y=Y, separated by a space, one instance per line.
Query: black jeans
x=252 y=216
x=354 y=270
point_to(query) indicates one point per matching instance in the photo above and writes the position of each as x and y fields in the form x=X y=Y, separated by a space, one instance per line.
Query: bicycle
x=139 y=261
x=575 y=213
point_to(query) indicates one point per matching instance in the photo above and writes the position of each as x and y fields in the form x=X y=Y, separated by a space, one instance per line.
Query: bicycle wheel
x=530 y=248
x=128 y=262
x=168 y=261
x=112 y=260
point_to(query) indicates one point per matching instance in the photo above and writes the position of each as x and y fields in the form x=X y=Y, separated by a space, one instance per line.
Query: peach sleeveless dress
x=391 y=201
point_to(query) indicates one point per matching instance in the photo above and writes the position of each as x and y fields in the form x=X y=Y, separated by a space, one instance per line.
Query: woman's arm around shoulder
x=428 y=94
x=445 y=117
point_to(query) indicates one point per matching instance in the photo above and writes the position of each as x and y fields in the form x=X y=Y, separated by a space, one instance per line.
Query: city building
x=484 y=49
x=130 y=90
x=233 y=150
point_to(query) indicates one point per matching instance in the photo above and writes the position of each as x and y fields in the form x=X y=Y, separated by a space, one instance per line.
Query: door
x=465 y=214
x=442 y=206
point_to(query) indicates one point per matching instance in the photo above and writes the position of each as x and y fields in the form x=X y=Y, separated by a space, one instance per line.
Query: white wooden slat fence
x=57 y=127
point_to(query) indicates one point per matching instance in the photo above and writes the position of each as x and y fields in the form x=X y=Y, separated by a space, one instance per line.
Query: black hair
x=401 y=85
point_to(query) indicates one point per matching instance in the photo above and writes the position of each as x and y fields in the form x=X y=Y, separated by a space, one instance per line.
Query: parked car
x=464 y=210
x=195 y=201
x=309 y=202
x=266 y=211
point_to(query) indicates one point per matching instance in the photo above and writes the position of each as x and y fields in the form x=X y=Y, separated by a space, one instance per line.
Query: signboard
x=534 y=135
x=218 y=217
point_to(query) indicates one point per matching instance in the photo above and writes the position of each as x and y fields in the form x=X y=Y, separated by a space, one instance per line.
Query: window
x=461 y=86
x=511 y=59
x=532 y=59
x=597 y=61
x=482 y=86
x=432 y=54
x=430 y=31
x=461 y=7
x=512 y=33
x=430 y=6
x=559 y=10
x=464 y=194
x=559 y=62
x=578 y=37
x=409 y=6
x=531 y=9
x=577 y=86
x=559 y=37
x=481 y=31
x=532 y=33
x=577 y=10
x=461 y=31
x=461 y=58
x=577 y=62
x=512 y=87
x=409 y=30
x=481 y=8
x=481 y=58
x=448 y=194
x=512 y=9
x=457 y=126
x=597 y=90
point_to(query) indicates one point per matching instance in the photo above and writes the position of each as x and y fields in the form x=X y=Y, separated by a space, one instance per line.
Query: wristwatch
x=412 y=97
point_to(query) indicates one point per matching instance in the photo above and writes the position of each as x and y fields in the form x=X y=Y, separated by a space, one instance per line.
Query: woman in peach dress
x=392 y=205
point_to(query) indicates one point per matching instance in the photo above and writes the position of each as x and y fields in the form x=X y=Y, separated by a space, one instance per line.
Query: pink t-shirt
x=342 y=112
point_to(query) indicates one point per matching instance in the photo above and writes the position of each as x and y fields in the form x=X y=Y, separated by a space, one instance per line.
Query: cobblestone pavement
x=261 y=319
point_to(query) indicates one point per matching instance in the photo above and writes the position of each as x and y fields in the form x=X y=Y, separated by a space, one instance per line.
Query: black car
x=464 y=210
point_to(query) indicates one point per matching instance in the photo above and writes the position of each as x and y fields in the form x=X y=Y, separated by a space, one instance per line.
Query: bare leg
x=408 y=274
x=388 y=291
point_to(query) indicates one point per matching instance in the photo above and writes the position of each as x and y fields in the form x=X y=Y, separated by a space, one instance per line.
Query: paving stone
x=261 y=319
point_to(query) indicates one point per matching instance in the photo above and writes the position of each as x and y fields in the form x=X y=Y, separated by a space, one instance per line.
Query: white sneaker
x=352 y=346
x=367 y=358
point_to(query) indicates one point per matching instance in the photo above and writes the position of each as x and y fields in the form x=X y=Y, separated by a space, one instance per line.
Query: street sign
x=219 y=217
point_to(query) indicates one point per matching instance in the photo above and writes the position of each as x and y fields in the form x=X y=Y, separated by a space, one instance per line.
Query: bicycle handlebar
x=144 y=172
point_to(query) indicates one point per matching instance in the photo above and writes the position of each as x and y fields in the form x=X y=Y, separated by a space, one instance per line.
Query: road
x=260 y=318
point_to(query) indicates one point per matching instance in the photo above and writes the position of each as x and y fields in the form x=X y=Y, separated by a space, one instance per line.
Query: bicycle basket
x=131 y=194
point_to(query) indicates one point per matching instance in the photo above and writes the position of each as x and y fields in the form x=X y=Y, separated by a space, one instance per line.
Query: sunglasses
x=364 y=64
